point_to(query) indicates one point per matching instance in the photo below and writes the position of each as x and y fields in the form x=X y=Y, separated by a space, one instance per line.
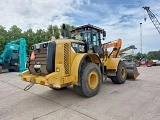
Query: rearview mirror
x=66 y=31
x=104 y=33
x=64 y=26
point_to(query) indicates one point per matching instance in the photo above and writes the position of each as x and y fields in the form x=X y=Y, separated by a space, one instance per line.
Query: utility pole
x=141 y=38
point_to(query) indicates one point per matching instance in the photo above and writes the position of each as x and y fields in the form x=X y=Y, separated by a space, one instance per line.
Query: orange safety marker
x=32 y=57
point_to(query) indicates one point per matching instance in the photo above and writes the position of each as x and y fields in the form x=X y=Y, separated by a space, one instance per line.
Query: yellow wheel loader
x=80 y=60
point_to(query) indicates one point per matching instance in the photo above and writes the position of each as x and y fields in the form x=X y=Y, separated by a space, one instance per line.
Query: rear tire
x=90 y=80
x=11 y=70
x=121 y=74
x=149 y=64
x=137 y=64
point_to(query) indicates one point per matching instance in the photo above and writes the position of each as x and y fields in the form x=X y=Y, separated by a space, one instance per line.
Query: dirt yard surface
x=134 y=100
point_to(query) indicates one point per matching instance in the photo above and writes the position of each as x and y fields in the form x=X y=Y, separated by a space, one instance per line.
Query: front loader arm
x=116 y=47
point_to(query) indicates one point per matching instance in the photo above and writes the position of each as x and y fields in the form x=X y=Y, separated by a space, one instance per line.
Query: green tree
x=138 y=56
x=52 y=31
x=29 y=37
x=49 y=33
x=56 y=31
x=39 y=36
x=153 y=55
x=158 y=55
x=3 y=39
x=14 y=33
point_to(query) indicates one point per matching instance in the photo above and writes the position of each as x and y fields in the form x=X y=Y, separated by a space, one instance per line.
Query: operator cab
x=91 y=36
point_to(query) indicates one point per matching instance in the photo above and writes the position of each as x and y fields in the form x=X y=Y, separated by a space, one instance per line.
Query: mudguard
x=77 y=63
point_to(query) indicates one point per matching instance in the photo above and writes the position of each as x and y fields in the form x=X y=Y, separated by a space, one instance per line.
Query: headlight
x=57 y=69
x=32 y=48
x=81 y=48
x=37 y=46
x=45 y=45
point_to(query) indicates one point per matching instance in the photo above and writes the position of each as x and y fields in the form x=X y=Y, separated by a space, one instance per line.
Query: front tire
x=121 y=74
x=149 y=64
x=90 y=80
x=137 y=64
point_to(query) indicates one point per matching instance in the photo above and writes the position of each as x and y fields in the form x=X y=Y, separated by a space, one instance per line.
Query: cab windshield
x=87 y=36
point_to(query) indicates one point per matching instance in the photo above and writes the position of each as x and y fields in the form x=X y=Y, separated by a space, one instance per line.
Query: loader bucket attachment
x=132 y=71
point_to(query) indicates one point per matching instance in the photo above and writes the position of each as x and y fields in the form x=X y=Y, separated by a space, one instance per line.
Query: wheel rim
x=92 y=80
x=123 y=72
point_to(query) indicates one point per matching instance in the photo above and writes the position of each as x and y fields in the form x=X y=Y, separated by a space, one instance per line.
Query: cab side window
x=95 y=39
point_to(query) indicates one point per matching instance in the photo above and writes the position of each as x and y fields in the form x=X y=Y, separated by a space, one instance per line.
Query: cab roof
x=86 y=27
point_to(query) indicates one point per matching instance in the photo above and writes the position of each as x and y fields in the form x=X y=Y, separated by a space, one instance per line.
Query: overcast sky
x=120 y=18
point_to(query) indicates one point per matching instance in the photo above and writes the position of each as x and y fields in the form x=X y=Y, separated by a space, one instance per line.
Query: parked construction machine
x=13 y=57
x=81 y=60
x=153 y=18
x=144 y=62
x=122 y=51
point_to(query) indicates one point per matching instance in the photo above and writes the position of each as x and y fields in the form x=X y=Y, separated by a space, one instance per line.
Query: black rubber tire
x=11 y=70
x=119 y=79
x=137 y=65
x=14 y=70
x=84 y=89
x=149 y=65
x=78 y=90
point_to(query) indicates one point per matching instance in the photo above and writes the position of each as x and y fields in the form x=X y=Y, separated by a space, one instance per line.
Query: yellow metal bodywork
x=75 y=67
x=65 y=72
x=68 y=65
x=112 y=63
